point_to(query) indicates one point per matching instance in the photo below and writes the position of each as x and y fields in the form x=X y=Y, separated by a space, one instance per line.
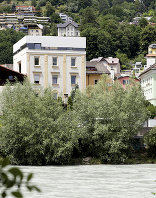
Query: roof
x=95 y=72
x=5 y=73
x=90 y=64
x=149 y=55
x=61 y=25
x=112 y=60
x=153 y=67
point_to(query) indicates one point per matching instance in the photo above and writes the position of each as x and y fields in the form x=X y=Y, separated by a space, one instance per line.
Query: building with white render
x=148 y=83
x=49 y=61
x=68 y=29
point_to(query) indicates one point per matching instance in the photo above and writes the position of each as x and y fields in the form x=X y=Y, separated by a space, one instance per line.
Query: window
x=36 y=60
x=73 y=80
x=73 y=61
x=55 y=61
x=37 y=45
x=125 y=82
x=36 y=78
x=95 y=82
x=19 y=66
x=55 y=95
x=11 y=78
x=54 y=79
x=36 y=30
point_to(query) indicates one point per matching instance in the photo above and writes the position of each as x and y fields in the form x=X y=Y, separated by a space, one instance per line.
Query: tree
x=150 y=141
x=7 y=39
x=36 y=130
x=108 y=120
x=143 y=22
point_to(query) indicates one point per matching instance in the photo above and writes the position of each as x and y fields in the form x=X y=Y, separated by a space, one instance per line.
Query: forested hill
x=105 y=23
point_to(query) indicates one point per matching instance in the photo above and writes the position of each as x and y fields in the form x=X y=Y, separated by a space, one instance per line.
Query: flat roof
x=52 y=41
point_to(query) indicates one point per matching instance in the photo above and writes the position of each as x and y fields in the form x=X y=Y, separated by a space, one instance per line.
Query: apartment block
x=49 y=61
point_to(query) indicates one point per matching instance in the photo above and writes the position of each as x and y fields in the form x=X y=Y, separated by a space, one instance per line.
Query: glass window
x=37 y=46
x=36 y=60
x=54 y=60
x=54 y=79
x=36 y=30
x=37 y=78
x=11 y=78
x=96 y=81
x=73 y=80
x=125 y=82
x=73 y=61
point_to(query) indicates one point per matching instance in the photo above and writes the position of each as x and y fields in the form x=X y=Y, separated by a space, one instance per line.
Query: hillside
x=105 y=23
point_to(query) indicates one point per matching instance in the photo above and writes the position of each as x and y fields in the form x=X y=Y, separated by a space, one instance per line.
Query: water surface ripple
x=93 y=181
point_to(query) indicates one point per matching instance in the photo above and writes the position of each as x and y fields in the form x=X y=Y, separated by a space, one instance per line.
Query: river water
x=93 y=181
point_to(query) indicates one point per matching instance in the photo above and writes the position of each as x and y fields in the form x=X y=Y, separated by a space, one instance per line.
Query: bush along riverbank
x=36 y=129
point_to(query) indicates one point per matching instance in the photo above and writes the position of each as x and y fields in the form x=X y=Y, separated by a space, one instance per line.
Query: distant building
x=93 y=72
x=25 y=9
x=151 y=56
x=51 y=61
x=68 y=29
x=126 y=80
x=148 y=83
x=32 y=29
x=65 y=18
x=112 y=65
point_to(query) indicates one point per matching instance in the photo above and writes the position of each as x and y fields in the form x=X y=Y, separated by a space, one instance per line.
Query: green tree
x=143 y=22
x=108 y=120
x=7 y=39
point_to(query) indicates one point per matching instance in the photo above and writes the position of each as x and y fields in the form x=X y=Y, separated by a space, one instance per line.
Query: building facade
x=148 y=84
x=57 y=62
x=151 y=56
x=68 y=29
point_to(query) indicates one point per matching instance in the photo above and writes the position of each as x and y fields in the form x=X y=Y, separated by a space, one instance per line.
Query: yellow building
x=93 y=73
x=151 y=56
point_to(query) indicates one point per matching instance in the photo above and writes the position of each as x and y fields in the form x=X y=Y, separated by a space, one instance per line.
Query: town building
x=51 y=61
x=93 y=72
x=65 y=18
x=19 y=20
x=32 y=29
x=148 y=83
x=68 y=29
x=151 y=56
x=7 y=74
x=125 y=80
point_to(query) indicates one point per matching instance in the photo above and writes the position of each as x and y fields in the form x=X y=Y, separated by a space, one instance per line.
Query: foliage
x=35 y=128
x=12 y=181
x=150 y=141
x=109 y=120
x=7 y=39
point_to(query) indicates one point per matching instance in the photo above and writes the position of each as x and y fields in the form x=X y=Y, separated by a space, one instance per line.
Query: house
x=151 y=56
x=112 y=65
x=32 y=29
x=93 y=72
x=125 y=80
x=51 y=61
x=25 y=9
x=7 y=74
x=65 y=18
x=148 y=83
x=68 y=29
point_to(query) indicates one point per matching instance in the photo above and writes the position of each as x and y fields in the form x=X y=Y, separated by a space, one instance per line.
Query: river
x=93 y=181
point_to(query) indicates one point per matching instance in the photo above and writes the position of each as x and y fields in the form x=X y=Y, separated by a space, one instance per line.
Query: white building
x=65 y=18
x=68 y=29
x=148 y=84
x=48 y=61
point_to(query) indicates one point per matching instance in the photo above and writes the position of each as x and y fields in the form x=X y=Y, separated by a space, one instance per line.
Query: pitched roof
x=152 y=67
x=90 y=64
x=61 y=25
x=112 y=60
